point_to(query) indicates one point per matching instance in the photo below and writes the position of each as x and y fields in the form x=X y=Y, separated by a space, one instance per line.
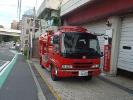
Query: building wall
x=14 y=25
x=71 y=5
x=35 y=53
x=26 y=29
x=96 y=10
x=48 y=4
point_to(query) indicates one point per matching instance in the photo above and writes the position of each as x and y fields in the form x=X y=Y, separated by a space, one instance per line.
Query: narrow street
x=66 y=50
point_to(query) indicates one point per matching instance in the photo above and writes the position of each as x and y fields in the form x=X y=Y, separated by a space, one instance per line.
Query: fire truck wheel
x=40 y=60
x=87 y=78
x=41 y=63
x=53 y=76
x=42 y=66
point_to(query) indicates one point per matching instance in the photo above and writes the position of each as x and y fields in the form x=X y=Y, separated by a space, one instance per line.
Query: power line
x=19 y=9
x=36 y=3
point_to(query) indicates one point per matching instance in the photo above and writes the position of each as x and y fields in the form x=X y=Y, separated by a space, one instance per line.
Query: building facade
x=16 y=25
x=27 y=27
x=48 y=19
x=48 y=13
x=102 y=17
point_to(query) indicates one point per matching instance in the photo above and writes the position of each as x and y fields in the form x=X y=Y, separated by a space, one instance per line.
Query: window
x=26 y=41
x=28 y=21
x=27 y=31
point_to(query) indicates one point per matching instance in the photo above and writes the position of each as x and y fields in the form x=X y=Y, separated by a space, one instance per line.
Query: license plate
x=83 y=73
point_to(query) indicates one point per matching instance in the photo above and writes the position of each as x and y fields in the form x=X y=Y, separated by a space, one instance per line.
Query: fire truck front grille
x=82 y=65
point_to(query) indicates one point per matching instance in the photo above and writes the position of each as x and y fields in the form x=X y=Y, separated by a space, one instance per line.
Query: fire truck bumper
x=72 y=73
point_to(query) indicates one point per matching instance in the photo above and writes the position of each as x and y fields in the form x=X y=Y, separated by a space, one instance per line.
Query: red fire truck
x=69 y=52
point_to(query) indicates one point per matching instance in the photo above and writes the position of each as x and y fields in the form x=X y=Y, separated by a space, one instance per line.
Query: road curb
x=53 y=91
x=7 y=70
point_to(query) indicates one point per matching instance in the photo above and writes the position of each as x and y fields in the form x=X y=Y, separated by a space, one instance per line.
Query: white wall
x=71 y=5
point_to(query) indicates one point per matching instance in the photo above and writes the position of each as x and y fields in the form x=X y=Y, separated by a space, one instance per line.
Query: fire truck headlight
x=67 y=66
x=95 y=66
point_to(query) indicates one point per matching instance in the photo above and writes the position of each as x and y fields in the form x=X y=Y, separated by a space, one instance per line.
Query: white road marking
x=14 y=52
x=3 y=70
x=4 y=60
x=4 y=65
x=7 y=65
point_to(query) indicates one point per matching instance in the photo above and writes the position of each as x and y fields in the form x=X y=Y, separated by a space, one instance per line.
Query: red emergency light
x=72 y=29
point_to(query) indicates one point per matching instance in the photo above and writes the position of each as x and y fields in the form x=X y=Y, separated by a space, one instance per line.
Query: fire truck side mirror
x=51 y=40
x=105 y=37
x=55 y=40
x=101 y=55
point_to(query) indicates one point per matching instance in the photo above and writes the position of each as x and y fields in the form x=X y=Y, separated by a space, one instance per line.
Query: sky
x=8 y=10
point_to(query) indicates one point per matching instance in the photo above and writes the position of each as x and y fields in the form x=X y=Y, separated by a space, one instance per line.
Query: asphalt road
x=19 y=84
x=5 y=54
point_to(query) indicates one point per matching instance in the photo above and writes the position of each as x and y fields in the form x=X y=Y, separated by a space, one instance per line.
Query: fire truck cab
x=69 y=52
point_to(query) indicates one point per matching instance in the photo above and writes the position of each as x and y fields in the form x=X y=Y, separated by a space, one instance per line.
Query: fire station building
x=105 y=18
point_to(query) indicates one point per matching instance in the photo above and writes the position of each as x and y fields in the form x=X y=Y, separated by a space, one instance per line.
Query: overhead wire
x=18 y=8
x=19 y=5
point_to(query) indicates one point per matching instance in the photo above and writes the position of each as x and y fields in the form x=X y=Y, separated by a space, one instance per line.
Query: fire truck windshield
x=77 y=45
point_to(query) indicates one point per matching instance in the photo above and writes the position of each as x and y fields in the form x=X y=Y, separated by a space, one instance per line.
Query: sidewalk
x=120 y=81
x=20 y=84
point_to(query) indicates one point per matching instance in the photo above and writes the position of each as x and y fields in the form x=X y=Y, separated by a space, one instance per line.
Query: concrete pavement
x=77 y=89
x=121 y=81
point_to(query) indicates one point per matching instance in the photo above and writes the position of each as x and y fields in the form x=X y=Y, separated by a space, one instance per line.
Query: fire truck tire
x=53 y=76
x=40 y=60
x=87 y=78
x=41 y=63
x=42 y=66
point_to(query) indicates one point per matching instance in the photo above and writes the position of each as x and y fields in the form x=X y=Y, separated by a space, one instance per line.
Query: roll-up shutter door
x=125 y=58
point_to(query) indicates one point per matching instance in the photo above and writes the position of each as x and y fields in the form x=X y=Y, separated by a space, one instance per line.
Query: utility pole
x=59 y=11
x=0 y=38
x=32 y=34
x=34 y=22
x=19 y=9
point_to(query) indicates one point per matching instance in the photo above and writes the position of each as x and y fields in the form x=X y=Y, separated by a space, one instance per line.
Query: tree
x=6 y=38
x=1 y=26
